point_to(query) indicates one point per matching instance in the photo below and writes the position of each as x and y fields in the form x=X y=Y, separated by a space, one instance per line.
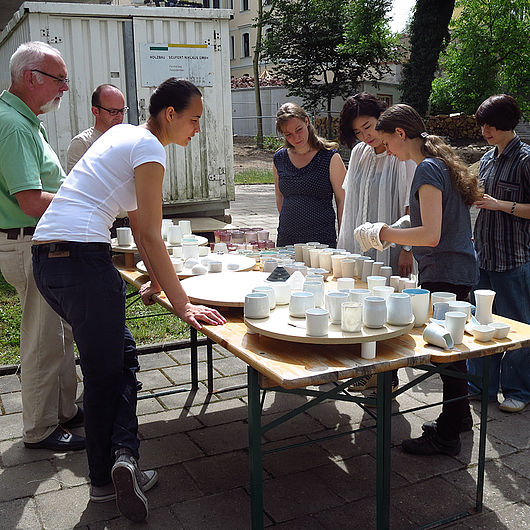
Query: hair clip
x=423 y=135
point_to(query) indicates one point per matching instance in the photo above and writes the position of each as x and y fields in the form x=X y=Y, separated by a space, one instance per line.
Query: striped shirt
x=502 y=240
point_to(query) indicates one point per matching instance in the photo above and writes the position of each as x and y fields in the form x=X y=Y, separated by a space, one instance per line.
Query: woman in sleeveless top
x=308 y=173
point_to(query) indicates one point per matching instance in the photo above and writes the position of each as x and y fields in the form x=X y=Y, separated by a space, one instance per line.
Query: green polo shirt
x=27 y=161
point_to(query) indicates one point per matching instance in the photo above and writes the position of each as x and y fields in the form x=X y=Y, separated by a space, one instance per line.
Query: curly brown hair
x=406 y=118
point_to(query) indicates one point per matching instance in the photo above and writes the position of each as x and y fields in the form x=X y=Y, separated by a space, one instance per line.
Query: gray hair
x=29 y=56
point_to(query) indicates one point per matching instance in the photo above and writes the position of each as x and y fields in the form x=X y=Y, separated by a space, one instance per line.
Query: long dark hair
x=406 y=118
x=173 y=92
x=362 y=104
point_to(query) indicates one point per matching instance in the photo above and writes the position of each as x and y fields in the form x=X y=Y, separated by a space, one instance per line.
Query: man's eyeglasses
x=60 y=80
x=114 y=112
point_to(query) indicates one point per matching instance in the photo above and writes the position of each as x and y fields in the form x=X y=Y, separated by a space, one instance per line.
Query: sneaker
x=128 y=480
x=364 y=383
x=108 y=493
x=78 y=420
x=512 y=405
x=466 y=424
x=430 y=443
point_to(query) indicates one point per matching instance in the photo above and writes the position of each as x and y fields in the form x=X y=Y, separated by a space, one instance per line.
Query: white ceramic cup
x=358 y=295
x=367 y=269
x=300 y=302
x=393 y=281
x=501 y=329
x=178 y=264
x=190 y=249
x=442 y=296
x=174 y=235
x=484 y=302
x=334 y=301
x=374 y=312
x=215 y=266
x=269 y=291
x=439 y=310
x=298 y=251
x=166 y=223
x=345 y=283
x=324 y=260
x=368 y=350
x=386 y=272
x=314 y=259
x=185 y=226
x=351 y=317
x=438 y=336
x=282 y=291
x=401 y=284
x=373 y=281
x=204 y=250
x=314 y=278
x=256 y=305
x=420 y=305
x=348 y=268
x=177 y=252
x=410 y=284
x=336 y=264
x=317 y=288
x=455 y=322
x=220 y=248
x=459 y=305
x=384 y=291
x=399 y=309
x=269 y=265
x=124 y=236
x=316 y=322
x=376 y=267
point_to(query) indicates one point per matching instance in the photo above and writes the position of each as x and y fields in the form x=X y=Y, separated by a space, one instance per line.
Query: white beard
x=52 y=105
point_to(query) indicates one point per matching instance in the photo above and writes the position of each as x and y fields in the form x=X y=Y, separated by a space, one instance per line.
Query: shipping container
x=135 y=48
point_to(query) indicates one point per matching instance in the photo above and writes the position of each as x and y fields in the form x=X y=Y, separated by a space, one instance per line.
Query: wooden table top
x=296 y=365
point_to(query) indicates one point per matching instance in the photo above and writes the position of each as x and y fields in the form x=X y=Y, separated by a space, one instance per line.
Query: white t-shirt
x=377 y=190
x=99 y=186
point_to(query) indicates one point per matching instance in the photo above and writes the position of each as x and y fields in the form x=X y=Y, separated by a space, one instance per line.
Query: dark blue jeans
x=510 y=369
x=81 y=284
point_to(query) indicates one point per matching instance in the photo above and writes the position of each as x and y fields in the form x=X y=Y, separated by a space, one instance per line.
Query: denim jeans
x=81 y=284
x=511 y=369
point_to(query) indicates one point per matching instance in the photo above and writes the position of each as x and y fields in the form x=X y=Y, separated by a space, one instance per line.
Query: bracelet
x=513 y=207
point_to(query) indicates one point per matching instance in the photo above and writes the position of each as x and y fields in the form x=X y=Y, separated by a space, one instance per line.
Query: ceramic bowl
x=483 y=333
x=501 y=329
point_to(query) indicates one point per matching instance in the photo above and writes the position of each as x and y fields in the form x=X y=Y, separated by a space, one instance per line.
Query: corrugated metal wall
x=93 y=49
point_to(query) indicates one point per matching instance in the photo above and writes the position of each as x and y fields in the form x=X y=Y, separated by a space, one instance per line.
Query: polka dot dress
x=307 y=211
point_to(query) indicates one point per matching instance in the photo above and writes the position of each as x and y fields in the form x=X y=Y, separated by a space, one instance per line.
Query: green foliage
x=489 y=53
x=254 y=176
x=321 y=49
x=428 y=36
x=272 y=142
x=10 y=315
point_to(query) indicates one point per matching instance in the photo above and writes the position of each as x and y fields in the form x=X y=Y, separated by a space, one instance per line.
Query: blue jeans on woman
x=82 y=285
x=511 y=369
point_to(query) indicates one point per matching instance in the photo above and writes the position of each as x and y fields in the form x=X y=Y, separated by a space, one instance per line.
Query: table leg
x=483 y=426
x=384 y=411
x=194 y=359
x=209 y=364
x=255 y=454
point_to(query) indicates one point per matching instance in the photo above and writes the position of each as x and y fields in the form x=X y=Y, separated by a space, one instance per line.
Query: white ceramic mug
x=442 y=296
x=316 y=322
x=376 y=267
x=314 y=254
x=300 y=302
x=269 y=265
x=439 y=309
x=399 y=309
x=438 y=335
x=374 y=312
x=420 y=305
x=298 y=251
x=215 y=266
x=358 y=295
x=367 y=269
x=124 y=236
x=368 y=350
x=459 y=305
x=484 y=302
x=282 y=290
x=334 y=301
x=351 y=317
x=317 y=288
x=386 y=272
x=190 y=250
x=166 y=223
x=324 y=260
x=345 y=283
x=174 y=235
x=393 y=281
x=176 y=252
x=401 y=285
x=410 y=284
x=455 y=322
x=256 y=305
x=348 y=267
x=185 y=226
x=373 y=281
x=384 y=291
x=178 y=264
x=269 y=291
x=336 y=264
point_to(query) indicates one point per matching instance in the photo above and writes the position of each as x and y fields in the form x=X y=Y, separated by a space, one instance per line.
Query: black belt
x=68 y=248
x=13 y=233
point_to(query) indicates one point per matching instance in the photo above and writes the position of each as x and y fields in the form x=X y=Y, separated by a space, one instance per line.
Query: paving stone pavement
x=198 y=444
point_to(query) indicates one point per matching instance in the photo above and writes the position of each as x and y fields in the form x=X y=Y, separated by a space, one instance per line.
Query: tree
x=489 y=53
x=429 y=34
x=255 y=67
x=322 y=49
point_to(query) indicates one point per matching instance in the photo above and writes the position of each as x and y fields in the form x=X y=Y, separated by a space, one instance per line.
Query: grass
x=155 y=329
x=254 y=176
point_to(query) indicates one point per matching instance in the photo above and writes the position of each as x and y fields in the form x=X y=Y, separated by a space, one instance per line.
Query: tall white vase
x=484 y=302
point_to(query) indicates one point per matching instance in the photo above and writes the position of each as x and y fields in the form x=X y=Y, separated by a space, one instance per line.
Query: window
x=232 y=47
x=387 y=98
x=244 y=5
x=246 y=45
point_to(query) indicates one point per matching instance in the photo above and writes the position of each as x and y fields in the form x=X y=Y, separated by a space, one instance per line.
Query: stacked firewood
x=453 y=126
x=247 y=81
x=321 y=125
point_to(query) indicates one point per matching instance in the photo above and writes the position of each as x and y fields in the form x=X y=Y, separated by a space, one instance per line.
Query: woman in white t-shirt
x=73 y=269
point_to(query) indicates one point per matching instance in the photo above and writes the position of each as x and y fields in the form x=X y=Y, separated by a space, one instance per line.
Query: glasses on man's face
x=60 y=80
x=114 y=112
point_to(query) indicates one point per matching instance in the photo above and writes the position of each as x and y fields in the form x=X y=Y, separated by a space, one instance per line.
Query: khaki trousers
x=49 y=379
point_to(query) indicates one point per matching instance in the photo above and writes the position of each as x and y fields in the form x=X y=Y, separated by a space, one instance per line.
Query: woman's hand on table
x=147 y=291
x=195 y=313
x=405 y=263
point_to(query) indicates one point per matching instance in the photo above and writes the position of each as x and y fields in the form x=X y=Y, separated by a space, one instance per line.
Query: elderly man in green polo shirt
x=30 y=174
